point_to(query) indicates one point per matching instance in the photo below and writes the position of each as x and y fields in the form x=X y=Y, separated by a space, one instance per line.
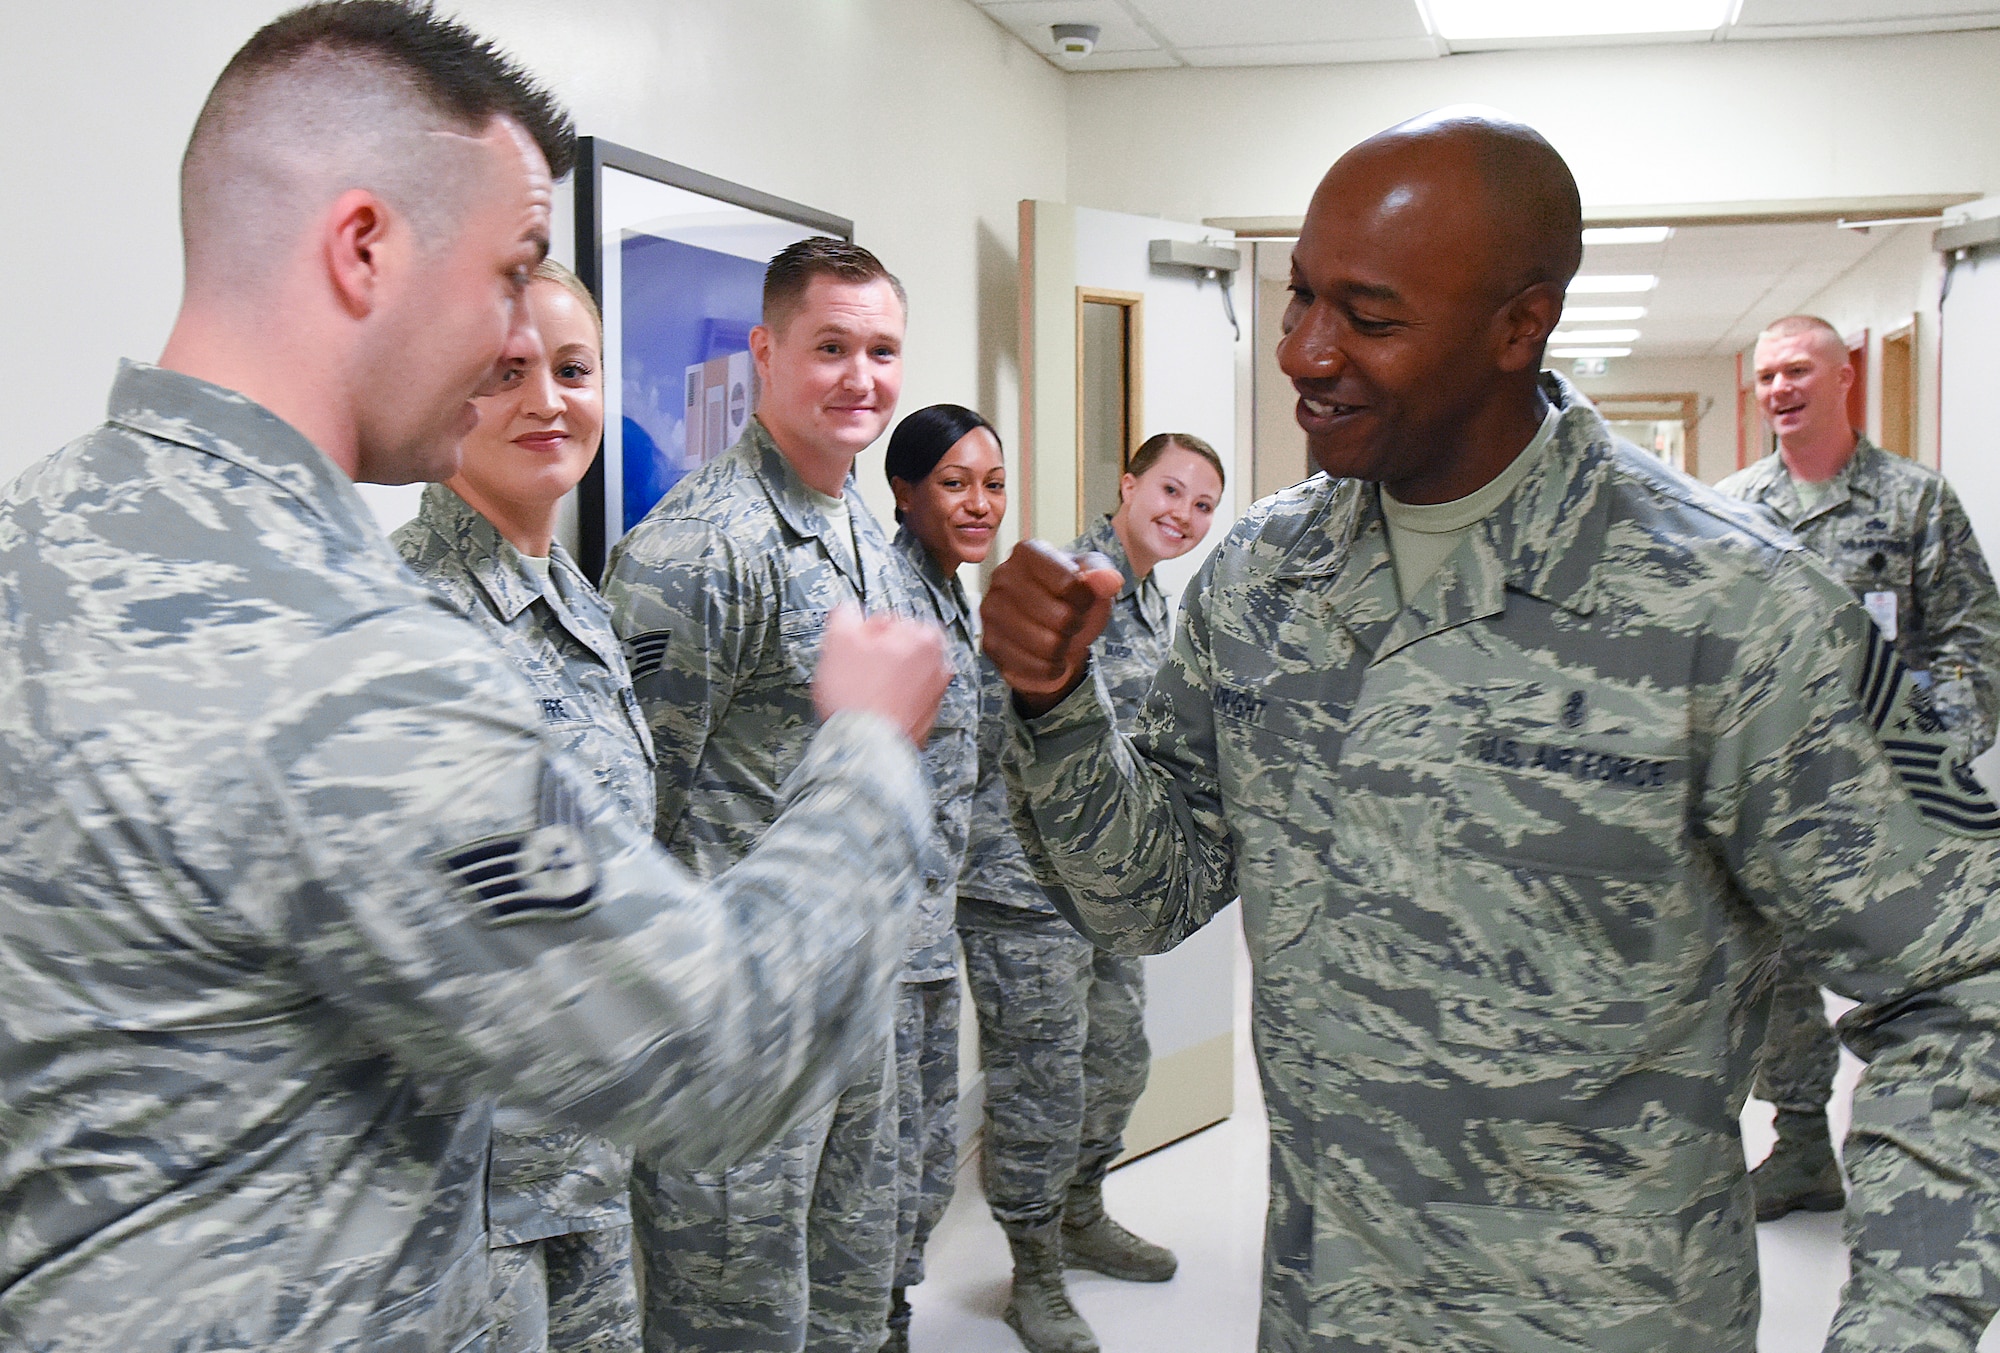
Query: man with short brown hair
x=721 y=594
x=1894 y=533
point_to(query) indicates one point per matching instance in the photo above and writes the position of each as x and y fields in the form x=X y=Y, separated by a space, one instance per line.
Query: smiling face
x=1802 y=383
x=1422 y=293
x=960 y=503
x=454 y=317
x=831 y=373
x=539 y=434
x=1165 y=512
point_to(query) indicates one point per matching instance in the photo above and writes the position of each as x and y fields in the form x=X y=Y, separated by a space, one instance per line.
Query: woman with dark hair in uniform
x=945 y=468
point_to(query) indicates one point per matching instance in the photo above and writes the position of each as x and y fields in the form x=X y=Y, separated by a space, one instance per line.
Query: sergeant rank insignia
x=1911 y=732
x=545 y=874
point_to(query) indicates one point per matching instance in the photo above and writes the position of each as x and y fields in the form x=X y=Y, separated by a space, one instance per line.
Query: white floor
x=1204 y=1198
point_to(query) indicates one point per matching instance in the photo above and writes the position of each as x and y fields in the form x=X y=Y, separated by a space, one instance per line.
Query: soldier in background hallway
x=485 y=540
x=1519 y=817
x=291 y=871
x=720 y=595
x=944 y=465
x=1894 y=532
x=1061 y=1022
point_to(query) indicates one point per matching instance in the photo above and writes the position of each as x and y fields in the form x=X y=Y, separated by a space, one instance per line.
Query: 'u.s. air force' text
x=1579 y=763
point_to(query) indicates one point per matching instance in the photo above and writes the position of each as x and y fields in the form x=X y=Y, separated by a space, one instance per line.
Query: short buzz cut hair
x=1791 y=326
x=349 y=94
x=792 y=271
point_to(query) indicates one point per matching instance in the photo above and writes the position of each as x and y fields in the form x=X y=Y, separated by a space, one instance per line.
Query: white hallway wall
x=920 y=119
x=1706 y=122
x=1712 y=378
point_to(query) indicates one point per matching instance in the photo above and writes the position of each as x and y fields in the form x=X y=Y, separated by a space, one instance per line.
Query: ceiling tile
x=1263 y=23
x=1029 y=20
x=1316 y=53
x=1760 y=12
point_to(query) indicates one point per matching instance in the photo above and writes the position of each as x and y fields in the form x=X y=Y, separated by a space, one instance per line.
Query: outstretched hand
x=884 y=664
x=1043 y=609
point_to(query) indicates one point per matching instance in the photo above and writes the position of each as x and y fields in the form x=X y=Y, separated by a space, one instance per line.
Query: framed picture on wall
x=676 y=260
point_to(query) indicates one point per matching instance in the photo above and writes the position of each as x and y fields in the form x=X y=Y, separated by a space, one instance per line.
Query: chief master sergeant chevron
x=1518 y=821
x=289 y=870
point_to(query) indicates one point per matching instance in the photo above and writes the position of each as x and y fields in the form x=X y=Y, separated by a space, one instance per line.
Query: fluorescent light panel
x=1488 y=20
x=1602 y=314
x=1609 y=284
x=1594 y=336
x=1570 y=354
x=1627 y=234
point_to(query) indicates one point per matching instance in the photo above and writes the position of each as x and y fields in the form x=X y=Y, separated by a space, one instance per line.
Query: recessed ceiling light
x=1606 y=284
x=1571 y=353
x=1478 y=20
x=1594 y=336
x=1602 y=314
x=1627 y=234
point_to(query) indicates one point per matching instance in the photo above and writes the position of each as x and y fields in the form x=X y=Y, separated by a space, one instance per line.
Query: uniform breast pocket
x=799 y=637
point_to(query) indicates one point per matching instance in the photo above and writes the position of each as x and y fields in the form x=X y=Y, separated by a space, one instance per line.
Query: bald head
x=1498 y=182
x=381 y=95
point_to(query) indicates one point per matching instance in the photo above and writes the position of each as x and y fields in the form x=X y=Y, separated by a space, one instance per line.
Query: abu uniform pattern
x=721 y=596
x=1514 y=861
x=927 y=1010
x=1886 y=524
x=1062 y=1030
x=545 y=1180
x=291 y=872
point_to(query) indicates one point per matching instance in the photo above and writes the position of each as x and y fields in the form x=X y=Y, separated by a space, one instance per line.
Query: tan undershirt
x=840 y=518
x=1423 y=535
x=1811 y=492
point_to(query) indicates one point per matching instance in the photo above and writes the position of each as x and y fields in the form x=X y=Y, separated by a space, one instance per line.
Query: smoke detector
x=1075 y=40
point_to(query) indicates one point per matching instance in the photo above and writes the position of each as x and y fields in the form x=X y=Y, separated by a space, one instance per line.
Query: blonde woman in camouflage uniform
x=1894 y=533
x=556 y=1198
x=945 y=468
x=1061 y=1022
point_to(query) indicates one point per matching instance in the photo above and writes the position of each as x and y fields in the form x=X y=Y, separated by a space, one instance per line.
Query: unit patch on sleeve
x=543 y=874
x=1911 y=732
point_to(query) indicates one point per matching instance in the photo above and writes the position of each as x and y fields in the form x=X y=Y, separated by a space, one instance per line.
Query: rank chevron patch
x=646 y=653
x=545 y=874
x=1944 y=788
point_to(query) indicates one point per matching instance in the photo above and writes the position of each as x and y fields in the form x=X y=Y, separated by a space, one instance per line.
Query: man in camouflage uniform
x=1516 y=853
x=561 y=1229
x=1062 y=1028
x=290 y=870
x=1894 y=532
x=720 y=595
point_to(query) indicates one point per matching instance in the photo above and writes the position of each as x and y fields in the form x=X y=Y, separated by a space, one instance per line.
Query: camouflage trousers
x=792 y=1249
x=1801 y=1053
x=1062 y=1037
x=566 y=1294
x=927 y=1091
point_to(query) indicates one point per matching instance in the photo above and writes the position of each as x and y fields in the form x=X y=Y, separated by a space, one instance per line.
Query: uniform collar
x=1103 y=538
x=945 y=589
x=794 y=504
x=1776 y=489
x=193 y=413
x=503 y=577
x=1543 y=541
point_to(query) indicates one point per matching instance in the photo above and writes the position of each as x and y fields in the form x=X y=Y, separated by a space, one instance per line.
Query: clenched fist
x=1043 y=609
x=884 y=664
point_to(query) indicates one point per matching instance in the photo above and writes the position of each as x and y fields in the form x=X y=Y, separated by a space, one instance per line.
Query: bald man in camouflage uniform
x=1894 y=533
x=1062 y=1023
x=720 y=595
x=1516 y=850
x=556 y=1199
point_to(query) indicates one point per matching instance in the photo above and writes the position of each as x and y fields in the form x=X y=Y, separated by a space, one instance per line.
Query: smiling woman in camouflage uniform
x=556 y=1198
x=1061 y=1022
x=945 y=468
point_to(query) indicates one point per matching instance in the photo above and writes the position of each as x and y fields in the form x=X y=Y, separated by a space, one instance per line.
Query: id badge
x=1881 y=607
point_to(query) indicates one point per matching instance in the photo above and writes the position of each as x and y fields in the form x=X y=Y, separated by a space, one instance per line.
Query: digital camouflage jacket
x=1515 y=862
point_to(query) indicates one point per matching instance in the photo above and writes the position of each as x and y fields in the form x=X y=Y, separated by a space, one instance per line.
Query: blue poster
x=689 y=383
